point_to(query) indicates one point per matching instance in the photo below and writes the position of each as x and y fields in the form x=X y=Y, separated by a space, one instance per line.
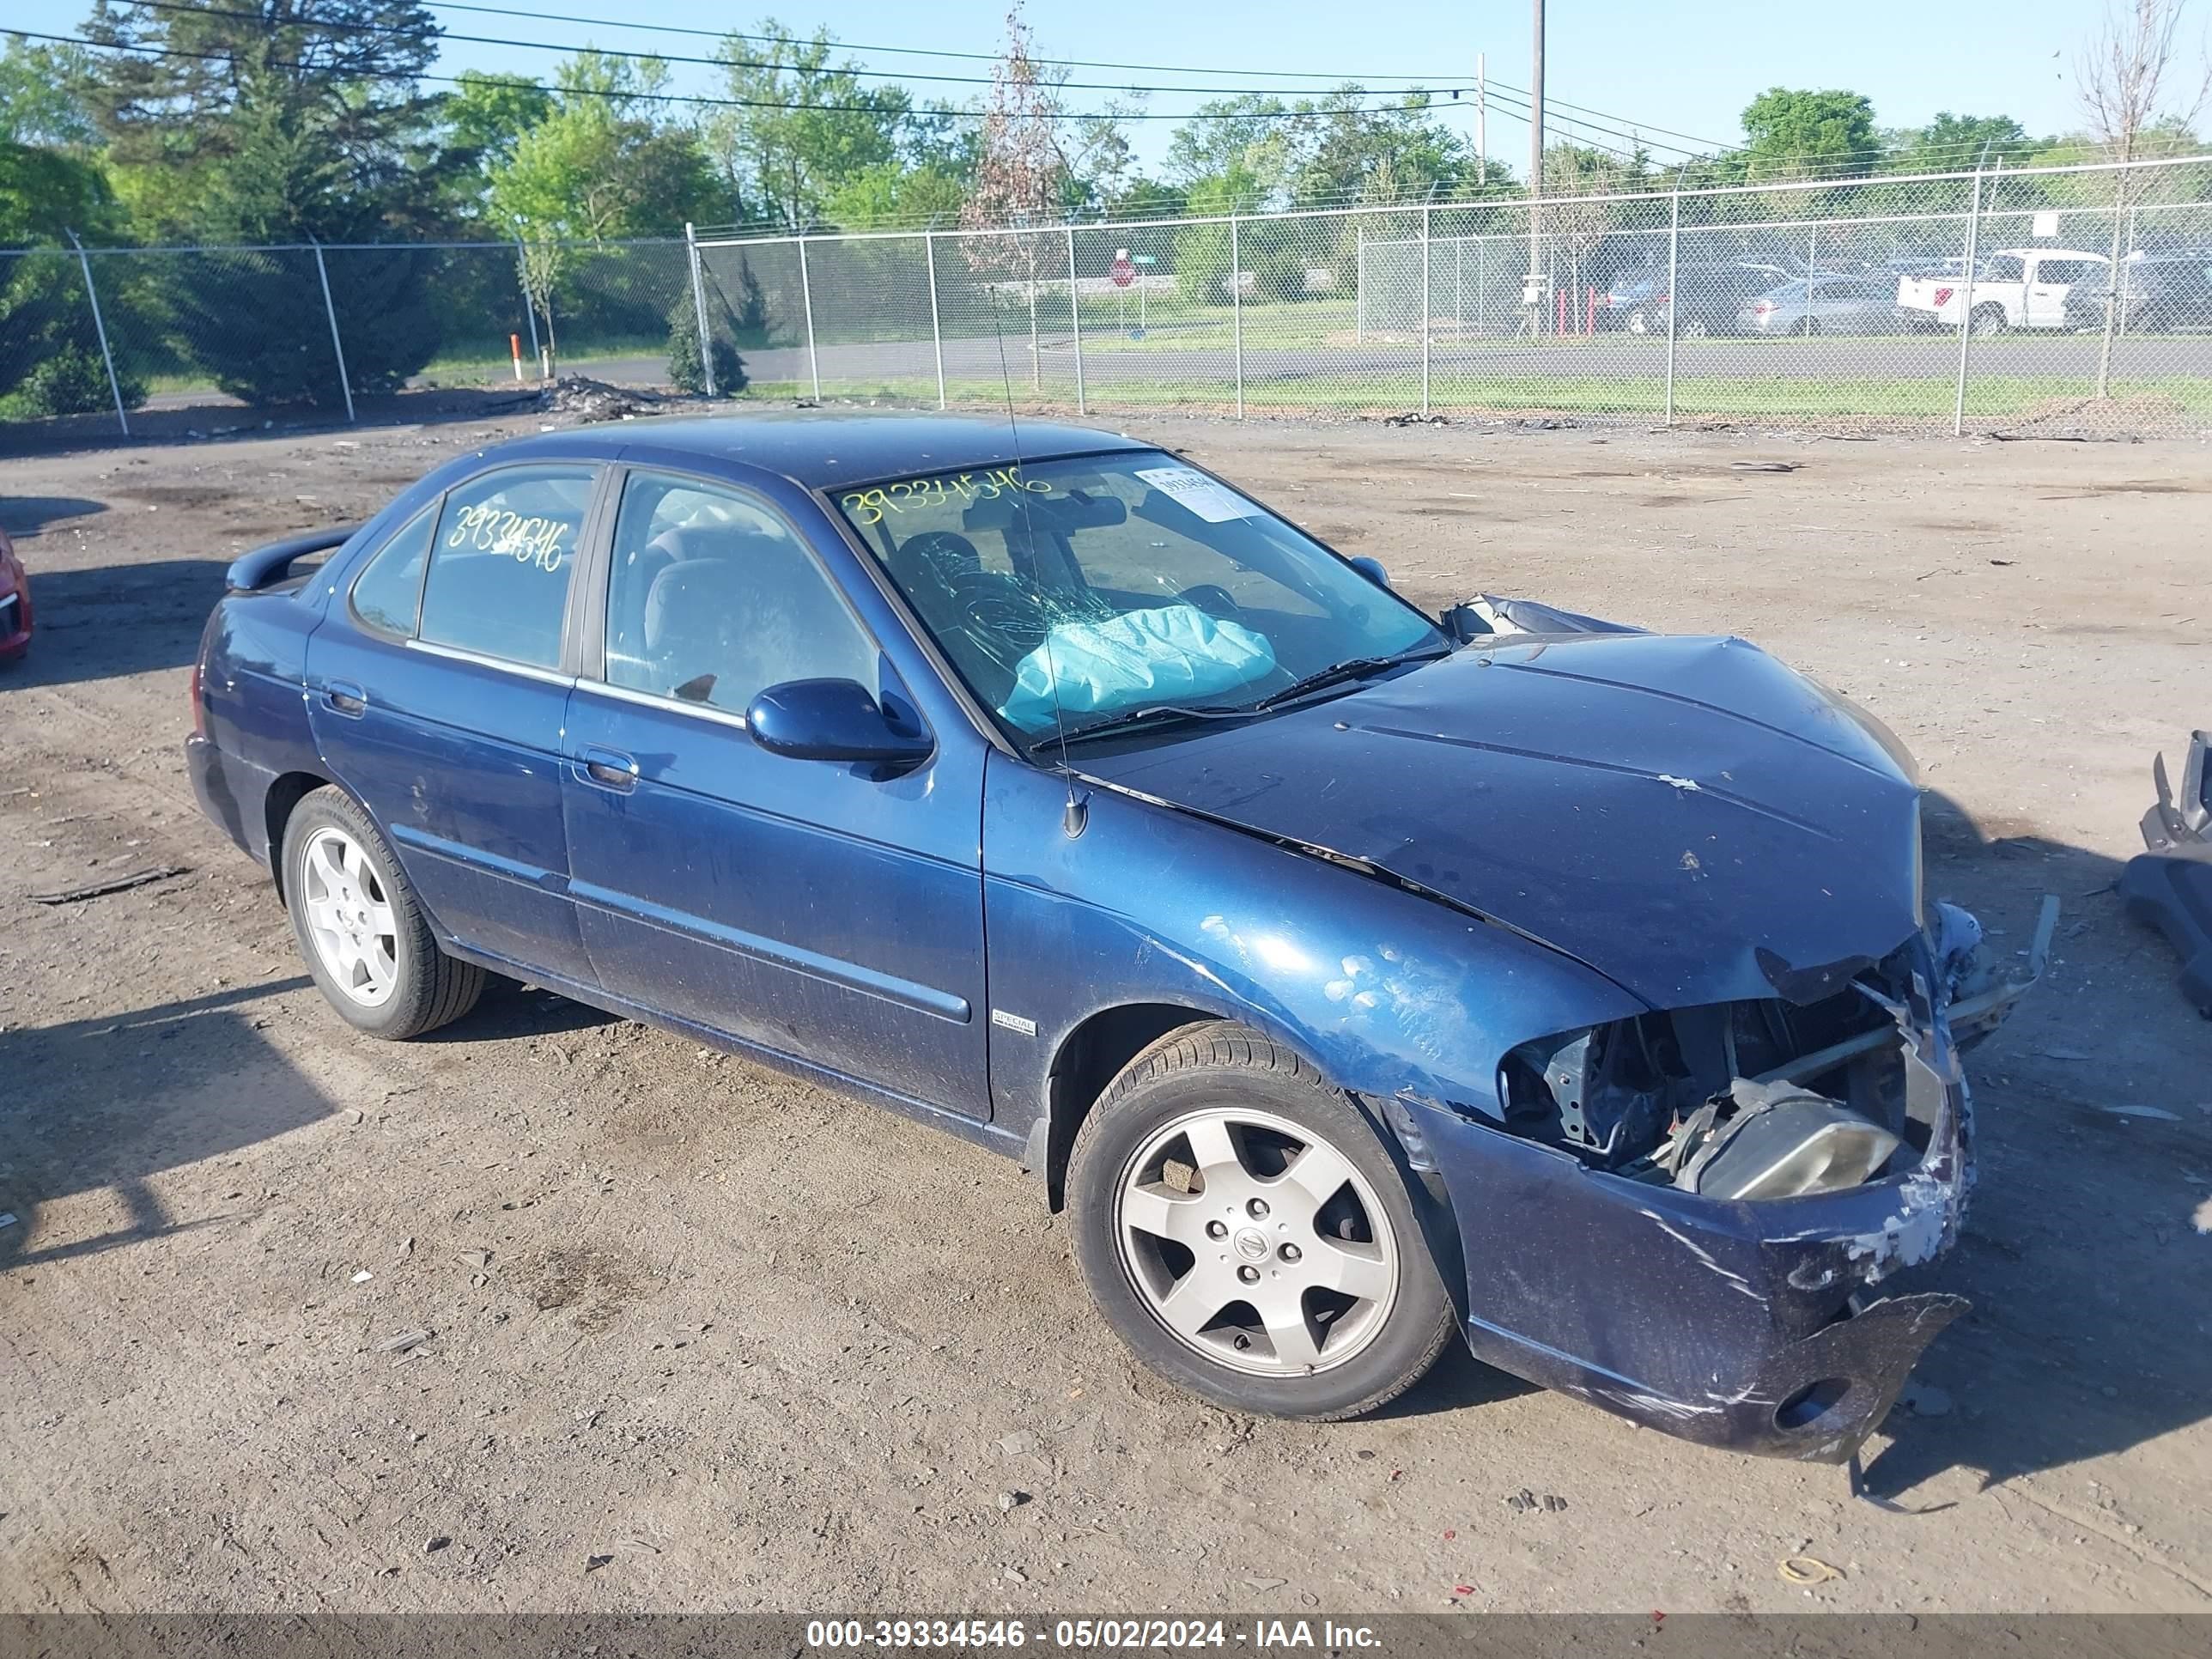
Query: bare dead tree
x=1020 y=171
x=2132 y=87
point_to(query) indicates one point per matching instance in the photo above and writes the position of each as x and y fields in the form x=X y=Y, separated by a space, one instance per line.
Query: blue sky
x=1688 y=67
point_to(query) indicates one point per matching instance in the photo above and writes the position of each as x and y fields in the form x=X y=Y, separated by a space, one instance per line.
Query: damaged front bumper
x=1749 y=1324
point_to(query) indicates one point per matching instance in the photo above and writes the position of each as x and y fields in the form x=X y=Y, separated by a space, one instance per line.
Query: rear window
x=387 y=595
x=505 y=547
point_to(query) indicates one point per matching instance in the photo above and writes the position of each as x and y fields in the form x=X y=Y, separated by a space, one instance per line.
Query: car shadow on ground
x=23 y=516
x=2084 y=1244
x=509 y=1008
x=116 y=620
x=88 y=1113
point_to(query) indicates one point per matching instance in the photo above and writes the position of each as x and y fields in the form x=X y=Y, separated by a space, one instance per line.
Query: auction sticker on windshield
x=1214 y=503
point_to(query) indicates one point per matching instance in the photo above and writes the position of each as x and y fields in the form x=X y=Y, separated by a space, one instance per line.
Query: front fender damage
x=1729 y=1297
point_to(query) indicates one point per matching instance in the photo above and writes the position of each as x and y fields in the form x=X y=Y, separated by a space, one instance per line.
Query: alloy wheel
x=1256 y=1243
x=350 y=917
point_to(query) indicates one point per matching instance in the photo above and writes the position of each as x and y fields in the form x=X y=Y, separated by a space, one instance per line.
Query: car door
x=815 y=910
x=2048 y=281
x=437 y=696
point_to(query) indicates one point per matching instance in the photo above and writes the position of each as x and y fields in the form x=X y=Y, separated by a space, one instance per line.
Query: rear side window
x=501 y=560
x=388 y=594
x=2005 y=268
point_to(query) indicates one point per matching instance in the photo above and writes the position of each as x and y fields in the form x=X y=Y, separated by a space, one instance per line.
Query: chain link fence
x=2063 y=300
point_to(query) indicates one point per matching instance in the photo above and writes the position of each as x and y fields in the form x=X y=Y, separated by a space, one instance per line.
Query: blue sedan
x=1351 y=976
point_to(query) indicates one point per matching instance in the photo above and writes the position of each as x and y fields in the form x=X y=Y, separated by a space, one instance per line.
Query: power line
x=854 y=71
x=1637 y=132
x=704 y=99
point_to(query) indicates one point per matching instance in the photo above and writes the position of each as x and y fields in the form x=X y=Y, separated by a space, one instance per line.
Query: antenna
x=1073 y=818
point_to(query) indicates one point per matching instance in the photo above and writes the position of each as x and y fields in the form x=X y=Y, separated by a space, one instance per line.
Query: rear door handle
x=346 y=698
x=610 y=768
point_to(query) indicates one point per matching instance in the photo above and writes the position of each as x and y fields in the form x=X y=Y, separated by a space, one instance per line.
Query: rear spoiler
x=265 y=567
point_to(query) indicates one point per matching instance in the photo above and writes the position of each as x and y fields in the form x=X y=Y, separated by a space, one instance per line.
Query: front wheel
x=1246 y=1232
x=361 y=928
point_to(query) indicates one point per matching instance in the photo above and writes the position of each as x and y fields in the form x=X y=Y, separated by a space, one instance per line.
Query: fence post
x=1425 y=307
x=1359 y=282
x=529 y=306
x=99 y=328
x=1967 y=308
x=1812 y=256
x=699 y=309
x=1459 y=286
x=1673 y=299
x=1075 y=320
x=936 y=334
x=806 y=301
x=1236 y=309
x=331 y=311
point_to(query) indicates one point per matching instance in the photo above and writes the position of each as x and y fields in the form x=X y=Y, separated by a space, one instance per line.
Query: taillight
x=199 y=709
x=1944 y=296
x=1763 y=307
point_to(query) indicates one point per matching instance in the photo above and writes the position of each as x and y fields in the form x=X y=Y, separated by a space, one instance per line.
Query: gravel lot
x=702 y=1338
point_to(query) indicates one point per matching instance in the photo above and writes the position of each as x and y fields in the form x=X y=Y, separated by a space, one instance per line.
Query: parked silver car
x=1825 y=304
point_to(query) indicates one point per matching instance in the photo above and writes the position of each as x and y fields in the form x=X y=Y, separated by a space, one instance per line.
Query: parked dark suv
x=2160 y=294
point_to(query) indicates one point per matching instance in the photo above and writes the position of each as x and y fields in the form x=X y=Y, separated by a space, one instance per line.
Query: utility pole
x=1482 y=127
x=1536 y=171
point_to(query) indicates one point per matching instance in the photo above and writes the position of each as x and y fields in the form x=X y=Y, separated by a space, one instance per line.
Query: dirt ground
x=705 y=1338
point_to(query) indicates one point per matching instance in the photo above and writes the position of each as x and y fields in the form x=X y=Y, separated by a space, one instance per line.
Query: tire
x=361 y=928
x=1988 y=320
x=1694 y=328
x=1139 y=1183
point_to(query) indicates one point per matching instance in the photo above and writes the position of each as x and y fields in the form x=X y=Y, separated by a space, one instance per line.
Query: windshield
x=1068 y=592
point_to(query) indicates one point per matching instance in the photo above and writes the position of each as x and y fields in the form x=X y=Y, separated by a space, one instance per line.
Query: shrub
x=254 y=320
x=683 y=355
x=50 y=362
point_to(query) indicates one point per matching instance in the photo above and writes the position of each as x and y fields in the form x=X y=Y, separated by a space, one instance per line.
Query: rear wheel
x=361 y=928
x=1989 y=319
x=1245 y=1231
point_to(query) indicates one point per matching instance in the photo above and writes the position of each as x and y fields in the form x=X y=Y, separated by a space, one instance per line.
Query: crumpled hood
x=1687 y=816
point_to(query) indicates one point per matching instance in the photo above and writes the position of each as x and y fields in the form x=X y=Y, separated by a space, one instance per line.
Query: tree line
x=289 y=123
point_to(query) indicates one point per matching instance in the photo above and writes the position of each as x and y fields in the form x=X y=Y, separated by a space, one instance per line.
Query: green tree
x=896 y=193
x=603 y=164
x=1955 y=143
x=812 y=128
x=1808 y=134
x=277 y=121
x=487 y=117
x=39 y=103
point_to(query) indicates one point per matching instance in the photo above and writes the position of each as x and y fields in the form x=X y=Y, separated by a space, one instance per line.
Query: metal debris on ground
x=114 y=884
x=1763 y=467
x=593 y=400
x=1806 y=1570
x=1414 y=418
x=402 y=1342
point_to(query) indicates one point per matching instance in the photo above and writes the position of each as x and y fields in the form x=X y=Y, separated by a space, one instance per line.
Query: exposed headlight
x=1801 y=1145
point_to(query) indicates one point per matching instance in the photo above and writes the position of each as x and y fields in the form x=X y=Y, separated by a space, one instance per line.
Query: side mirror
x=831 y=721
x=1372 y=569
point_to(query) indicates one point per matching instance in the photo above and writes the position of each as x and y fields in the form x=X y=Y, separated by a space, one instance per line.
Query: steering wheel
x=1217 y=601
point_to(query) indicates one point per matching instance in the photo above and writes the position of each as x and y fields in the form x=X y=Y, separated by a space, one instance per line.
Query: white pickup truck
x=2020 y=288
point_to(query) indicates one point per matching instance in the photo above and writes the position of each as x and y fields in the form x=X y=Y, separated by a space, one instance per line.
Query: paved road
x=1473 y=372
x=1109 y=359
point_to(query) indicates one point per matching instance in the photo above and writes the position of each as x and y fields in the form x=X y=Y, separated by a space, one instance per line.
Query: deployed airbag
x=1167 y=654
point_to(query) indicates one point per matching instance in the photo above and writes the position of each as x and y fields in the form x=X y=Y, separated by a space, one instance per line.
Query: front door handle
x=346 y=698
x=610 y=768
